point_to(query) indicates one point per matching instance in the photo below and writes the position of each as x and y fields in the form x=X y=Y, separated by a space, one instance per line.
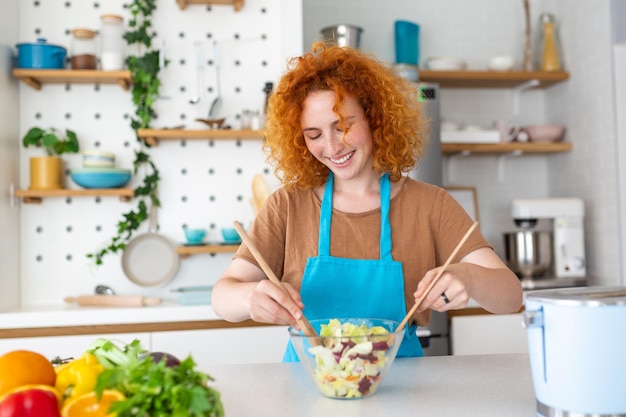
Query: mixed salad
x=351 y=359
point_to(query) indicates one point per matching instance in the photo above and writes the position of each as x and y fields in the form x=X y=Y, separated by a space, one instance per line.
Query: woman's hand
x=267 y=303
x=244 y=292
x=482 y=276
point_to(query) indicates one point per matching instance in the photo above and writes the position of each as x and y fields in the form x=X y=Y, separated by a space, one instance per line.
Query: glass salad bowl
x=350 y=357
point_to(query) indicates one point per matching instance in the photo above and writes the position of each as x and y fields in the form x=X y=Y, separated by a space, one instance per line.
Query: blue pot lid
x=40 y=42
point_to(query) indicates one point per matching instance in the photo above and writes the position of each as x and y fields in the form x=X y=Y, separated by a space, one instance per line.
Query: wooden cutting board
x=113 y=300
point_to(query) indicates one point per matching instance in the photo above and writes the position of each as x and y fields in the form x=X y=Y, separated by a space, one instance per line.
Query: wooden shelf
x=491 y=79
x=153 y=136
x=35 y=196
x=502 y=148
x=237 y=4
x=37 y=77
x=186 y=251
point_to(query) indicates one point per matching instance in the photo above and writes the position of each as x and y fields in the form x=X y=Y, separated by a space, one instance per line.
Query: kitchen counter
x=442 y=386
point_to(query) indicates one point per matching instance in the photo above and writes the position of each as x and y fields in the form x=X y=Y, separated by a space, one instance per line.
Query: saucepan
x=150 y=259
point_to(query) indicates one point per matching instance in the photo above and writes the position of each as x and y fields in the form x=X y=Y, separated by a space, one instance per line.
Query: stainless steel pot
x=343 y=35
x=528 y=252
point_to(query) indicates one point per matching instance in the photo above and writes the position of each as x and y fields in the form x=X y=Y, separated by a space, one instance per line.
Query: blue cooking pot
x=40 y=55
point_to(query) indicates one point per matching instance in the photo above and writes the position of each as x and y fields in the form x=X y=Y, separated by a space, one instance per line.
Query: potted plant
x=46 y=172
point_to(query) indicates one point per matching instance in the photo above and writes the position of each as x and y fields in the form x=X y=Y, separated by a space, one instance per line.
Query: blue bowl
x=100 y=177
x=230 y=235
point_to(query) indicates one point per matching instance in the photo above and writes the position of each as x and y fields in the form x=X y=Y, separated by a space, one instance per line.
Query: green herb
x=144 y=68
x=51 y=140
x=154 y=389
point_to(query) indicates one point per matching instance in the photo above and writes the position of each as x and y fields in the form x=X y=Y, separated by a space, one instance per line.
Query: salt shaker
x=112 y=42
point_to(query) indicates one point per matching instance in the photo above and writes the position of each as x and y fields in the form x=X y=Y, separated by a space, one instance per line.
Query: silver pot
x=528 y=252
x=343 y=35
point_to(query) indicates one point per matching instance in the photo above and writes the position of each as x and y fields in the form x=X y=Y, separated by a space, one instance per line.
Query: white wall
x=478 y=29
x=9 y=142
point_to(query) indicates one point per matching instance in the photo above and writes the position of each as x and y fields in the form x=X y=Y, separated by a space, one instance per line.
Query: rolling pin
x=113 y=300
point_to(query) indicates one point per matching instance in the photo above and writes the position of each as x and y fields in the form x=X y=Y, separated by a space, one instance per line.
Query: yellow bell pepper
x=78 y=376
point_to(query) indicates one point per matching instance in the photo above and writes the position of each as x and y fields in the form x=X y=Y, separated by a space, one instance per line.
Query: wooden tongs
x=434 y=281
x=303 y=323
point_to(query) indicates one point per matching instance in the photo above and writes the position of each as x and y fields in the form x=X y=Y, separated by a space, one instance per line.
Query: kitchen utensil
x=199 y=67
x=545 y=133
x=216 y=105
x=100 y=177
x=150 y=259
x=113 y=300
x=213 y=123
x=343 y=35
x=347 y=366
x=434 y=281
x=260 y=192
x=407 y=46
x=527 y=64
x=528 y=252
x=303 y=323
x=194 y=295
x=40 y=55
x=576 y=345
x=104 y=290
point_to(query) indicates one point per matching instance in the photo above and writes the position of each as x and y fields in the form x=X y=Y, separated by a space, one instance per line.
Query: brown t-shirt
x=426 y=223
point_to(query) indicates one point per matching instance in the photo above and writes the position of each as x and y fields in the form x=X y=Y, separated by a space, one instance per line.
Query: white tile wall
x=478 y=29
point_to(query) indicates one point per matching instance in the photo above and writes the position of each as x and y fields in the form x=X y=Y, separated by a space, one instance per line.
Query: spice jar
x=549 y=45
x=112 y=44
x=83 y=49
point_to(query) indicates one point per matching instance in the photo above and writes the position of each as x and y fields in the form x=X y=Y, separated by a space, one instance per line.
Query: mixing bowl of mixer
x=528 y=252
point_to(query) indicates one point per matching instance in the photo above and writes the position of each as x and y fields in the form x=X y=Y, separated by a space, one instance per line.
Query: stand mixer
x=558 y=252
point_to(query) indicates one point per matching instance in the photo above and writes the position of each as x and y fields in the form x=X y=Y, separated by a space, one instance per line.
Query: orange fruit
x=33 y=386
x=23 y=367
x=88 y=405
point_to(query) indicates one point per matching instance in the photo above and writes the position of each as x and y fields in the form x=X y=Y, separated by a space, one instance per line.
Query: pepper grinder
x=549 y=44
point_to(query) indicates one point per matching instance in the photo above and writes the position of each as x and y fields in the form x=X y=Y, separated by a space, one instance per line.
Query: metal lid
x=580 y=296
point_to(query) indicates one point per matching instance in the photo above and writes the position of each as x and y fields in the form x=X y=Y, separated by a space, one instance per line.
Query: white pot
x=577 y=348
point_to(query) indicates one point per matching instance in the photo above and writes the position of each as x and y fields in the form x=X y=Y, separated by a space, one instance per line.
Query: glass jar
x=112 y=44
x=549 y=44
x=83 y=49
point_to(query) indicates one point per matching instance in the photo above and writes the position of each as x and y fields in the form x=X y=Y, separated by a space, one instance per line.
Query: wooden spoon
x=434 y=281
x=303 y=323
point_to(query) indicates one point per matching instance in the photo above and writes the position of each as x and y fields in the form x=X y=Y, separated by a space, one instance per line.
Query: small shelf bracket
x=450 y=162
x=502 y=160
x=517 y=94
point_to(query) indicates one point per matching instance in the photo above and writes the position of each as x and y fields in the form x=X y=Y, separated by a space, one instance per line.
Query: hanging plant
x=144 y=67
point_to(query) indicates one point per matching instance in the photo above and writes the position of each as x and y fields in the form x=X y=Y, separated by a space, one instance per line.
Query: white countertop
x=72 y=315
x=442 y=386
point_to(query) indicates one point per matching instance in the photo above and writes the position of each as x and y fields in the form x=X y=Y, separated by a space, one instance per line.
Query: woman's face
x=347 y=157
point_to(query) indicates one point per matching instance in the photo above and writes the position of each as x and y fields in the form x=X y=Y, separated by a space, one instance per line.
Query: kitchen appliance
x=406 y=37
x=40 y=55
x=530 y=246
x=576 y=345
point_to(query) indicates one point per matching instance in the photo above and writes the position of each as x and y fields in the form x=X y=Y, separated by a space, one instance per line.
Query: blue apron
x=341 y=287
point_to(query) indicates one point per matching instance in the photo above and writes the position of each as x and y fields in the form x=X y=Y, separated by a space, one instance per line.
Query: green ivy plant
x=144 y=68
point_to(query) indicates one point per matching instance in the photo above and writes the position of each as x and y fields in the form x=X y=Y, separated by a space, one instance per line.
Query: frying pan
x=150 y=259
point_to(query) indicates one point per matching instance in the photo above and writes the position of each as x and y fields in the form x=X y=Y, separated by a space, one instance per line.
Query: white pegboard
x=204 y=183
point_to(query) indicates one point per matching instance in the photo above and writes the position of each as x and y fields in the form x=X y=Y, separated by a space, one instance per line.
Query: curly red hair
x=391 y=107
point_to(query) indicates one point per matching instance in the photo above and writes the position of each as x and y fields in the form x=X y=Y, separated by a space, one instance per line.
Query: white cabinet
x=67 y=346
x=262 y=344
x=488 y=333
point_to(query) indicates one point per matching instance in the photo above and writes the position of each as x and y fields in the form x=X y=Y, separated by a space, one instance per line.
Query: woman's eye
x=313 y=136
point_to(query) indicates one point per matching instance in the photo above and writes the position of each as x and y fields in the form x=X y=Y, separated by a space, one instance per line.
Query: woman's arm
x=480 y=275
x=244 y=292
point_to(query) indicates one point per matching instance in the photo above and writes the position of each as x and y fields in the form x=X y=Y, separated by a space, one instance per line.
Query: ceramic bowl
x=230 y=235
x=544 y=133
x=98 y=159
x=446 y=63
x=347 y=367
x=100 y=177
x=194 y=236
x=501 y=63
